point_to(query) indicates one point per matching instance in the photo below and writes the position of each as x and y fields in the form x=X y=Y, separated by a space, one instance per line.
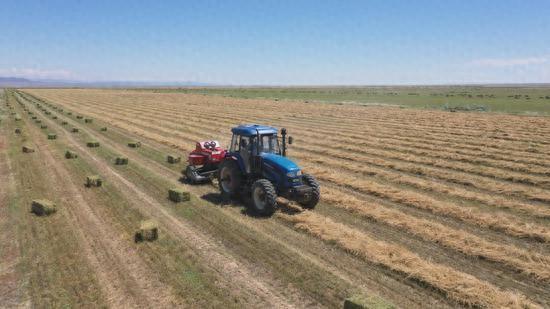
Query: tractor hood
x=279 y=162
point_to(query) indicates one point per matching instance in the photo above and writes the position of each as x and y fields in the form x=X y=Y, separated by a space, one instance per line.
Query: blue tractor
x=256 y=166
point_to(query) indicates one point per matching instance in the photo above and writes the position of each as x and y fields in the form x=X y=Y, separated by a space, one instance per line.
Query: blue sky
x=278 y=42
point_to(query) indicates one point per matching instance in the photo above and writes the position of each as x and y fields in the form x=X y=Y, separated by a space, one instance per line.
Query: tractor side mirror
x=290 y=139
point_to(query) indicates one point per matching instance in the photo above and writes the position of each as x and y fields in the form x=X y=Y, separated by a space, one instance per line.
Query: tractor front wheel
x=311 y=201
x=229 y=178
x=264 y=197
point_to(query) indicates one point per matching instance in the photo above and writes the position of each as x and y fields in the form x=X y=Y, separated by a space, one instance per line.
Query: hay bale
x=34 y=117
x=17 y=118
x=172 y=159
x=38 y=121
x=74 y=130
x=52 y=136
x=88 y=120
x=70 y=155
x=92 y=144
x=361 y=302
x=121 y=161
x=54 y=117
x=48 y=113
x=134 y=144
x=29 y=112
x=43 y=126
x=178 y=195
x=148 y=231
x=79 y=117
x=17 y=131
x=64 y=123
x=27 y=149
x=69 y=113
x=60 y=109
x=93 y=181
x=43 y=207
x=104 y=129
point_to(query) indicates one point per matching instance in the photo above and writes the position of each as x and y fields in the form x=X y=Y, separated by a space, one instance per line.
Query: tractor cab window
x=234 y=147
x=270 y=144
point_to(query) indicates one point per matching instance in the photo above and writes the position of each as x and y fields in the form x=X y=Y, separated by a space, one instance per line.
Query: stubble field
x=419 y=208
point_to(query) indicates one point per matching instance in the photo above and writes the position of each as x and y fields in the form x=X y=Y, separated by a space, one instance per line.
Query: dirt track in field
x=503 y=176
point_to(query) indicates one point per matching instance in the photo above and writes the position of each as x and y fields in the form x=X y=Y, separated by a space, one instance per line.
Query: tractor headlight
x=294 y=173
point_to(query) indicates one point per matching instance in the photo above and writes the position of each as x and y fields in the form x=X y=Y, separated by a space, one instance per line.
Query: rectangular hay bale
x=92 y=144
x=134 y=144
x=17 y=131
x=93 y=181
x=74 y=130
x=79 y=117
x=69 y=113
x=121 y=161
x=43 y=207
x=54 y=117
x=27 y=149
x=88 y=120
x=148 y=231
x=38 y=121
x=104 y=129
x=43 y=126
x=70 y=155
x=52 y=136
x=34 y=117
x=64 y=123
x=178 y=195
x=173 y=159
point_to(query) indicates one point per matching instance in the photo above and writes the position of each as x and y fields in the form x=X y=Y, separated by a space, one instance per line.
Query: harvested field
x=419 y=208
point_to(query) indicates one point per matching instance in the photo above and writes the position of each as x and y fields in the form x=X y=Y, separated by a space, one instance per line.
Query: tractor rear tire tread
x=270 y=197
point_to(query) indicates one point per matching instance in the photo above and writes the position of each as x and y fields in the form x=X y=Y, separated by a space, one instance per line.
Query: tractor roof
x=253 y=129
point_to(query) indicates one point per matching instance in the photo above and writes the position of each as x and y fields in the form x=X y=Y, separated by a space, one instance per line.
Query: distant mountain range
x=17 y=82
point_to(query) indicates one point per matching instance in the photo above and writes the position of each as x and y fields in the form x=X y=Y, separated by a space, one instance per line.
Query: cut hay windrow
x=93 y=181
x=508 y=224
x=458 y=286
x=430 y=186
x=148 y=231
x=43 y=207
x=92 y=144
x=528 y=262
x=177 y=195
x=70 y=154
x=173 y=159
x=121 y=161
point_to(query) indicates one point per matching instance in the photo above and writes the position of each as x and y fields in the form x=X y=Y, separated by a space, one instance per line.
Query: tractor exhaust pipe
x=283 y=135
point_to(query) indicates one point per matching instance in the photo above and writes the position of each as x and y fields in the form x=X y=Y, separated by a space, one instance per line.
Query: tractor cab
x=256 y=163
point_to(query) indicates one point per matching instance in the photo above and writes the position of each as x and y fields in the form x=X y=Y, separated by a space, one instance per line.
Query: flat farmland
x=419 y=208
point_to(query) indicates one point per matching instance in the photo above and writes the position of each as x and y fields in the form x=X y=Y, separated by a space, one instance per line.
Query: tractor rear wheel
x=311 y=201
x=264 y=197
x=229 y=178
